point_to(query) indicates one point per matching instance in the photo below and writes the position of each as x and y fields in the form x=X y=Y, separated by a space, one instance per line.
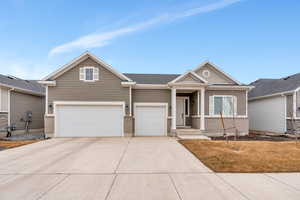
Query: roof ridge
x=149 y=74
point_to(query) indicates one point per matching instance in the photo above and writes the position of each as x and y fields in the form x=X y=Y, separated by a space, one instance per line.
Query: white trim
x=87 y=103
x=230 y=117
x=206 y=73
x=184 y=115
x=198 y=102
x=202 y=120
x=93 y=71
x=128 y=84
x=234 y=112
x=173 y=106
x=46 y=101
x=9 y=109
x=272 y=95
x=22 y=90
x=295 y=104
x=49 y=83
x=151 y=86
x=218 y=69
x=130 y=100
x=156 y=105
x=229 y=87
x=185 y=74
x=246 y=103
x=75 y=61
x=285 y=115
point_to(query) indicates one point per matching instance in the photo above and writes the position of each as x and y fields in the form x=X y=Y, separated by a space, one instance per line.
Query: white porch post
x=202 y=120
x=198 y=103
x=173 y=102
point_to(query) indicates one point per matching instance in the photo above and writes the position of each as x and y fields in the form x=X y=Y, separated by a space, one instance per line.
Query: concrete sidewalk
x=127 y=168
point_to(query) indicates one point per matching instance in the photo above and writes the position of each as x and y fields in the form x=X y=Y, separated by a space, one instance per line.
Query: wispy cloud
x=23 y=69
x=104 y=38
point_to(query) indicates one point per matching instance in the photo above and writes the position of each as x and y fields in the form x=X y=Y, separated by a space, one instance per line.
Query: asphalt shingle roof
x=31 y=85
x=152 y=78
x=265 y=87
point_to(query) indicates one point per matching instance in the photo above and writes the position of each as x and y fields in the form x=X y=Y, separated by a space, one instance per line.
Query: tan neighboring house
x=88 y=98
x=17 y=98
x=274 y=103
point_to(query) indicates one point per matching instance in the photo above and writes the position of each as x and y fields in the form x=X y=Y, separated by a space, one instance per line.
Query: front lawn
x=246 y=156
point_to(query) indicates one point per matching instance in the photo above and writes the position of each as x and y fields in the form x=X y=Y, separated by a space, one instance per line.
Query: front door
x=180 y=118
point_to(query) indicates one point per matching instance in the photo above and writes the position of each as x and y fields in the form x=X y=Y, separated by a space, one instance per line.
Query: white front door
x=180 y=118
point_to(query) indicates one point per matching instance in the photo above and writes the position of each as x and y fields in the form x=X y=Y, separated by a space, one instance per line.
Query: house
x=19 y=98
x=274 y=103
x=88 y=98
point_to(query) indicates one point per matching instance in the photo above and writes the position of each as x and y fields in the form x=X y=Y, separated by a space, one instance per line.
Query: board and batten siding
x=4 y=100
x=20 y=104
x=70 y=88
x=268 y=114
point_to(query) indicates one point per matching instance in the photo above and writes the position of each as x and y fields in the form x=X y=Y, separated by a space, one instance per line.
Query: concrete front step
x=194 y=137
x=188 y=132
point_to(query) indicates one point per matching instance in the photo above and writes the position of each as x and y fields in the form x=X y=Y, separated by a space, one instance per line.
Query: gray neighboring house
x=17 y=96
x=273 y=103
x=88 y=98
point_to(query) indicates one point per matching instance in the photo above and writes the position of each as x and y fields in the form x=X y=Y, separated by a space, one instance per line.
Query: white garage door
x=150 y=120
x=89 y=120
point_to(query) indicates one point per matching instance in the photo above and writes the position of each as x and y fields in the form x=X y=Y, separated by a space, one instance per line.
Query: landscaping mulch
x=4 y=144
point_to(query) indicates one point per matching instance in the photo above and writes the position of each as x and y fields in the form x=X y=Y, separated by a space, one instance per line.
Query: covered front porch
x=187 y=109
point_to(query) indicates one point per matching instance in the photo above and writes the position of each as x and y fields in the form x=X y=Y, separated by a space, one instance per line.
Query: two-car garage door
x=107 y=120
x=89 y=120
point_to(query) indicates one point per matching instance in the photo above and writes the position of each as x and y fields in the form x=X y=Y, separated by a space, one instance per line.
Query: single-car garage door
x=88 y=120
x=150 y=119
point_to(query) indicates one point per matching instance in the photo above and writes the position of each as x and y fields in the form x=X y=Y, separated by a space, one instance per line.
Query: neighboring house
x=17 y=97
x=87 y=97
x=273 y=103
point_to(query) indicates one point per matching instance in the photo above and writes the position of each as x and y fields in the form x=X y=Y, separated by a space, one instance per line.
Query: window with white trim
x=223 y=104
x=89 y=74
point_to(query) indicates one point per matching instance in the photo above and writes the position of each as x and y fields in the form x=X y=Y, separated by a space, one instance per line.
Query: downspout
x=8 y=102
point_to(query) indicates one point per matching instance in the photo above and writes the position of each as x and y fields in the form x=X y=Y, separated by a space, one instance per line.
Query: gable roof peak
x=218 y=69
x=75 y=61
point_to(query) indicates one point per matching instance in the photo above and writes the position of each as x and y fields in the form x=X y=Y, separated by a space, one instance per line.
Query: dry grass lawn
x=246 y=156
x=11 y=144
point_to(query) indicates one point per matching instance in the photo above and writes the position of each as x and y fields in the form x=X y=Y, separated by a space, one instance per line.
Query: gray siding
x=241 y=99
x=215 y=76
x=4 y=100
x=214 y=126
x=21 y=103
x=289 y=105
x=70 y=88
x=3 y=121
x=152 y=96
x=298 y=104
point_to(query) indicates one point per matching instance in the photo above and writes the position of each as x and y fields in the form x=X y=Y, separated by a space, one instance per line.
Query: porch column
x=202 y=120
x=198 y=103
x=173 y=102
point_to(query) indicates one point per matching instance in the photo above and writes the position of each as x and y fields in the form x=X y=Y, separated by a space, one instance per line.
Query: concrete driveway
x=127 y=169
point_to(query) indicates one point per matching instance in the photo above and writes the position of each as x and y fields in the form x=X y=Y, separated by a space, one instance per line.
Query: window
x=206 y=73
x=89 y=74
x=187 y=106
x=224 y=105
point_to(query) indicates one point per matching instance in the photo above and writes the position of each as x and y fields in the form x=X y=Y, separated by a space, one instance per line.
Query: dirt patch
x=12 y=144
x=254 y=137
x=246 y=156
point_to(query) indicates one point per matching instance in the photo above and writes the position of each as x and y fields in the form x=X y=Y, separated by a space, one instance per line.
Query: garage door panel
x=89 y=121
x=150 y=120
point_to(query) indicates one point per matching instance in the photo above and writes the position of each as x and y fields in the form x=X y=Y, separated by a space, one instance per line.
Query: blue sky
x=248 y=39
